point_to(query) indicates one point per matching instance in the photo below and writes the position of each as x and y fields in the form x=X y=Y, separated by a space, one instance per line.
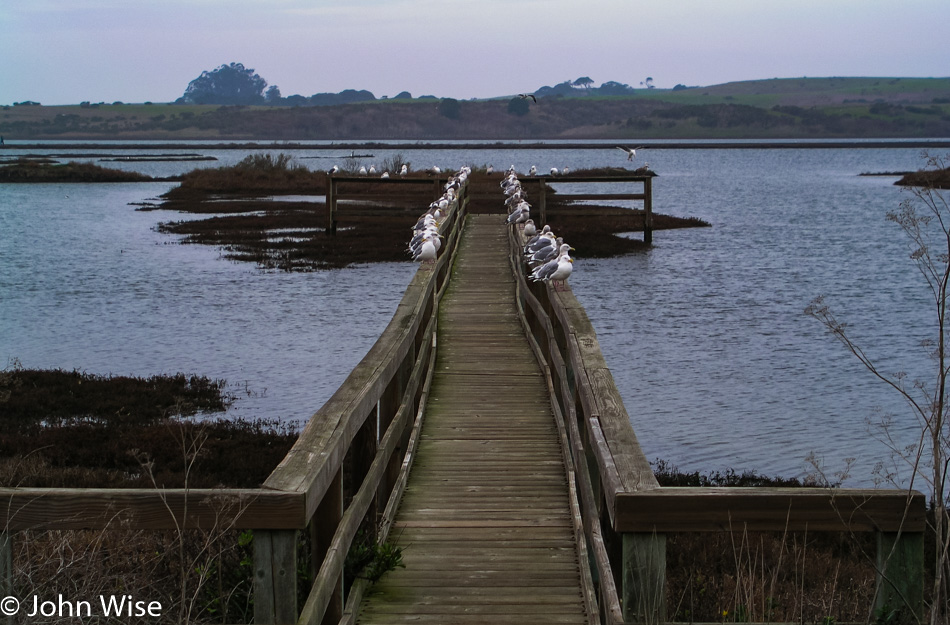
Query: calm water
x=705 y=333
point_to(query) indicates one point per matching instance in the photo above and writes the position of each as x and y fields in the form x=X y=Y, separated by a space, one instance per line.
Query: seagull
x=427 y=219
x=372 y=170
x=404 y=170
x=333 y=170
x=547 y=252
x=564 y=268
x=545 y=240
x=545 y=269
x=554 y=171
x=525 y=96
x=631 y=152
x=427 y=251
x=431 y=233
x=545 y=230
x=363 y=171
x=519 y=215
x=385 y=174
x=529 y=228
x=490 y=169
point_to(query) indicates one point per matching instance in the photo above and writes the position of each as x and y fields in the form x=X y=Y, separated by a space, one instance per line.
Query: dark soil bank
x=73 y=429
x=371 y=227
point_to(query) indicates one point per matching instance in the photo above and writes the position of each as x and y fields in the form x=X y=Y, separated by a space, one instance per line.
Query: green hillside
x=812 y=92
x=777 y=108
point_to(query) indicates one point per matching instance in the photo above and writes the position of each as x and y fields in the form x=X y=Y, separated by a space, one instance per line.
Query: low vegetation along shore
x=79 y=430
x=291 y=235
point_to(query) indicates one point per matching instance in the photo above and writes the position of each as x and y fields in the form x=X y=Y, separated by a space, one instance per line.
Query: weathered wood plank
x=779 y=509
x=70 y=508
x=486 y=506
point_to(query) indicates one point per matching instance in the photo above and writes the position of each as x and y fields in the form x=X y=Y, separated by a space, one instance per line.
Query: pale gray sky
x=67 y=51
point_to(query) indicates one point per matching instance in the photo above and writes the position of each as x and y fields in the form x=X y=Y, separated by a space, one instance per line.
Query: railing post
x=644 y=578
x=361 y=454
x=900 y=575
x=275 y=576
x=322 y=528
x=331 y=205
x=543 y=201
x=648 y=211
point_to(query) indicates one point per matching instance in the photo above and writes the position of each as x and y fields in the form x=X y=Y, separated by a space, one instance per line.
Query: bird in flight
x=631 y=152
x=525 y=96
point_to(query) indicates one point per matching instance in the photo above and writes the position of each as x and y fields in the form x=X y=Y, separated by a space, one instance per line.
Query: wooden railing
x=350 y=463
x=626 y=514
x=337 y=190
x=344 y=474
x=646 y=195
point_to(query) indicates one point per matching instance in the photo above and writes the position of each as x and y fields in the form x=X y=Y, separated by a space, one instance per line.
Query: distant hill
x=777 y=108
x=819 y=91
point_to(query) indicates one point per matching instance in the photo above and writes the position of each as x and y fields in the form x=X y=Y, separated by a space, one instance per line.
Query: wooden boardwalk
x=485 y=521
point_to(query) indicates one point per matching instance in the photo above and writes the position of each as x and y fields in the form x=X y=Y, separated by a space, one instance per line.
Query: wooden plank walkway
x=485 y=522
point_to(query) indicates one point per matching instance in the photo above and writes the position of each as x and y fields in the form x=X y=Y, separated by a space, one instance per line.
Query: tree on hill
x=584 y=81
x=565 y=88
x=347 y=96
x=228 y=84
x=449 y=107
x=518 y=106
x=612 y=87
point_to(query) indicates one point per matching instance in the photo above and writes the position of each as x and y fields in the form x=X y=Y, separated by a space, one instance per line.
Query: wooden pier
x=483 y=434
x=485 y=521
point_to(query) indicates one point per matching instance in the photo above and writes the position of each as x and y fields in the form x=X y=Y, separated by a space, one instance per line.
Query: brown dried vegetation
x=42 y=170
x=73 y=429
x=743 y=576
x=373 y=222
x=932 y=178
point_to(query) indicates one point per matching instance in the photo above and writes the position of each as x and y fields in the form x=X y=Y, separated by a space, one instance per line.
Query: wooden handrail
x=314 y=465
x=364 y=426
x=613 y=473
x=149 y=508
x=543 y=182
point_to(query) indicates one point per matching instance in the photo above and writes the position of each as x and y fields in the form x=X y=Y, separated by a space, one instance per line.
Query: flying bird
x=631 y=152
x=525 y=96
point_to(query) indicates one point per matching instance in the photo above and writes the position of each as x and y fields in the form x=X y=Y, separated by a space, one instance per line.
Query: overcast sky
x=67 y=51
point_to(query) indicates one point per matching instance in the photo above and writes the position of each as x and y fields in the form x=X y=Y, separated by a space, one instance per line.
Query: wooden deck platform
x=485 y=521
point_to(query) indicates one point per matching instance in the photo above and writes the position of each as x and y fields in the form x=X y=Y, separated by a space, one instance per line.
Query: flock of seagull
x=427 y=240
x=403 y=171
x=547 y=256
